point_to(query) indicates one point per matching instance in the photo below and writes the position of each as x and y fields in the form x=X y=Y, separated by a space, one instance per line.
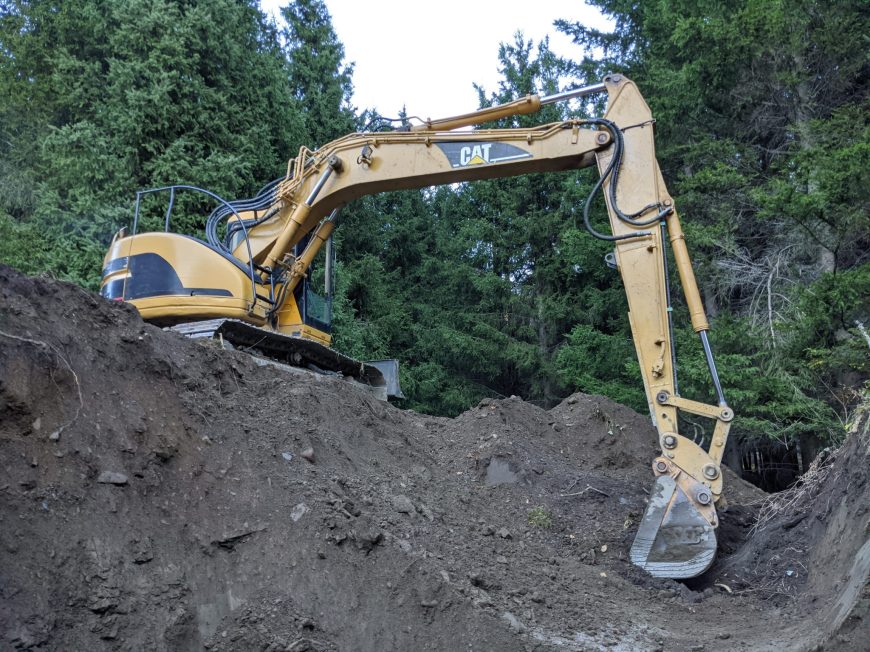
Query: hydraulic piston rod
x=711 y=363
x=522 y=106
x=570 y=95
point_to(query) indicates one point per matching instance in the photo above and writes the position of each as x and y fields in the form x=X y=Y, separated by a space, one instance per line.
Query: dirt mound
x=161 y=494
x=812 y=542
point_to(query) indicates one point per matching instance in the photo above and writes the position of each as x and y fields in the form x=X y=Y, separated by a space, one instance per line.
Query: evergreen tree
x=762 y=136
x=319 y=78
x=523 y=220
x=100 y=99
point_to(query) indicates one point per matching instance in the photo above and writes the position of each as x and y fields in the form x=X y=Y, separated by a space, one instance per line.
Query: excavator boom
x=258 y=273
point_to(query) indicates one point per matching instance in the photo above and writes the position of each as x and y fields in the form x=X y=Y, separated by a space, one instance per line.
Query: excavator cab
x=315 y=309
x=209 y=289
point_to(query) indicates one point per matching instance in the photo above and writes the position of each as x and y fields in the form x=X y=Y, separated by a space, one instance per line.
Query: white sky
x=426 y=56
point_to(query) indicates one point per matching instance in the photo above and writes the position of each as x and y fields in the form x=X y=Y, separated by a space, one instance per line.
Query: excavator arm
x=676 y=537
x=253 y=276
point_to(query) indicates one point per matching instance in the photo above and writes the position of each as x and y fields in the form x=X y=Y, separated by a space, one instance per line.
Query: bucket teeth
x=674 y=539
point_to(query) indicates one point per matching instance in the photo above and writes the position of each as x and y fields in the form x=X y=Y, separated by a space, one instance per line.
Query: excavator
x=249 y=281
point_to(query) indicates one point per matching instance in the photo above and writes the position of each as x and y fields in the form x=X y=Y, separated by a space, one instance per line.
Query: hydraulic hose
x=612 y=171
x=262 y=200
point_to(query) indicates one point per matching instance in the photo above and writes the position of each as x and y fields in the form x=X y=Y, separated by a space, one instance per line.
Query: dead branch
x=589 y=487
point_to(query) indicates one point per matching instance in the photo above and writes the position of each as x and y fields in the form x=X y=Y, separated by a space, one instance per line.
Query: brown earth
x=157 y=494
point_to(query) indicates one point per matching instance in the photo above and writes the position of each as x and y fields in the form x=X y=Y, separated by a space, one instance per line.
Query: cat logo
x=462 y=155
x=474 y=154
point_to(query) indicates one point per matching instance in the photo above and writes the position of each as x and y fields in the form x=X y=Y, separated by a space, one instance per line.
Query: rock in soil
x=112 y=477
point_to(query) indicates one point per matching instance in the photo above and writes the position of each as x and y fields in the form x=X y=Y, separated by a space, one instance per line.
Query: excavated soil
x=161 y=494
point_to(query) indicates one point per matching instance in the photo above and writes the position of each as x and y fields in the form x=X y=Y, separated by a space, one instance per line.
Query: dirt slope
x=159 y=494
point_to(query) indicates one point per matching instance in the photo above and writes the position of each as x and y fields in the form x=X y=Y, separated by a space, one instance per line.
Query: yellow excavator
x=249 y=281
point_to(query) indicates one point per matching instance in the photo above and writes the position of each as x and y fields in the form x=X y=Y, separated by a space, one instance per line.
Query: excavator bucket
x=674 y=540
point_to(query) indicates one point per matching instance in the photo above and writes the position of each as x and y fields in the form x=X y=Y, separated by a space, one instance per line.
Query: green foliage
x=103 y=98
x=822 y=187
x=23 y=246
x=772 y=400
x=762 y=134
x=540 y=517
x=594 y=362
x=318 y=78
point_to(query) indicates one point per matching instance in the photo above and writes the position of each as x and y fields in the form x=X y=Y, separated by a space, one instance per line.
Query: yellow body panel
x=200 y=268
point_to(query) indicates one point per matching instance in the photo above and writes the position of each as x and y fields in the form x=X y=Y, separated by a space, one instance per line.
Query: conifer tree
x=99 y=99
x=320 y=80
x=763 y=136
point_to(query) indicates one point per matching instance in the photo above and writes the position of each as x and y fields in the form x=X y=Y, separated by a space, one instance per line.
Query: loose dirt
x=161 y=494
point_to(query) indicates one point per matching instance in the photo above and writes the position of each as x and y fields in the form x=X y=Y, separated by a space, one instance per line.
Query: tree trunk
x=803 y=113
x=543 y=350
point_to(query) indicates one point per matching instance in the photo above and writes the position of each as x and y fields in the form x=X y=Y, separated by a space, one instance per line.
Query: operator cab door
x=316 y=308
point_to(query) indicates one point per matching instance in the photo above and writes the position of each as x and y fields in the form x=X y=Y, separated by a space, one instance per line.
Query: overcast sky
x=426 y=56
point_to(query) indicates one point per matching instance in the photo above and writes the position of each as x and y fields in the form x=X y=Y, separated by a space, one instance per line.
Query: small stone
x=403 y=504
x=298 y=512
x=367 y=536
x=54 y=436
x=513 y=622
x=308 y=454
x=481 y=582
x=501 y=559
x=287 y=456
x=426 y=512
x=143 y=550
x=689 y=596
x=101 y=605
x=111 y=634
x=504 y=533
x=112 y=477
x=487 y=530
x=724 y=636
x=482 y=600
